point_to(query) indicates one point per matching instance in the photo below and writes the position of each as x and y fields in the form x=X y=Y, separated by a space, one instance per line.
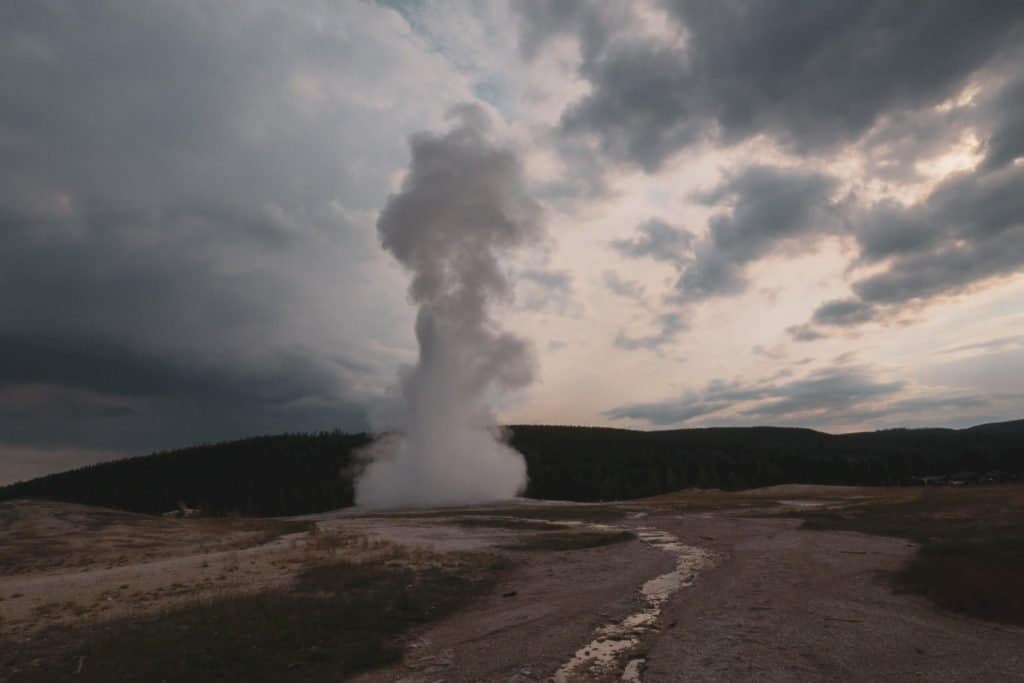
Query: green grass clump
x=569 y=540
x=971 y=554
x=338 y=619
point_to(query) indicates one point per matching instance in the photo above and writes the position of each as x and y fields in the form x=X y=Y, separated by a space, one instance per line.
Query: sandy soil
x=66 y=564
x=771 y=603
x=794 y=605
x=779 y=604
x=536 y=619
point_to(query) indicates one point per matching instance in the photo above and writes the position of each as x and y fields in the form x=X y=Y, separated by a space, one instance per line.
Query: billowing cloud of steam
x=463 y=202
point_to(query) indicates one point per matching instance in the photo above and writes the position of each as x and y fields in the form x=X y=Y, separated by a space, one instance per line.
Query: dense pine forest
x=302 y=473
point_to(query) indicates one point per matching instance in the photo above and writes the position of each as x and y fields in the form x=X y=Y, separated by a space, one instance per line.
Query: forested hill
x=301 y=473
x=593 y=463
x=289 y=474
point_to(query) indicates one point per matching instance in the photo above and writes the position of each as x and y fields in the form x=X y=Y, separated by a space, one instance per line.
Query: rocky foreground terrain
x=690 y=586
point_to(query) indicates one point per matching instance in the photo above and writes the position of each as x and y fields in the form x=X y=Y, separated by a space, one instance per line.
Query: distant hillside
x=297 y=473
x=289 y=474
x=1012 y=427
x=591 y=463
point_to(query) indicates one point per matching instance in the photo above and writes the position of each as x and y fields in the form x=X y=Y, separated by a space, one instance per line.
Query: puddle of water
x=613 y=640
x=633 y=671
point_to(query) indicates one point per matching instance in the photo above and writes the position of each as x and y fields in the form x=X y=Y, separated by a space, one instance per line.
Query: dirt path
x=536 y=619
x=779 y=604
x=793 y=605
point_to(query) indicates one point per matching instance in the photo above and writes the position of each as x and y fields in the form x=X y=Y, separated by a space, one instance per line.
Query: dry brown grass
x=971 y=554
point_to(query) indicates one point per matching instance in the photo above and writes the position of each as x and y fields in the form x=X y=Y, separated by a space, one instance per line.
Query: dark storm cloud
x=767 y=206
x=889 y=229
x=899 y=140
x=764 y=208
x=817 y=78
x=1005 y=110
x=83 y=394
x=594 y=24
x=968 y=231
x=128 y=373
x=175 y=196
x=832 y=394
x=811 y=75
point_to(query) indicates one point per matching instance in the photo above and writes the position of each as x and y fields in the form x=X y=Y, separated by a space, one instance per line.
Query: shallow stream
x=612 y=642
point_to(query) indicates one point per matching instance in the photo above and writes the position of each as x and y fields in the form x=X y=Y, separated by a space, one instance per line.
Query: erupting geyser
x=463 y=202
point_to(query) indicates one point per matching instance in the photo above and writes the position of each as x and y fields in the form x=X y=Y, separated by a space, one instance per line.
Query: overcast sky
x=776 y=212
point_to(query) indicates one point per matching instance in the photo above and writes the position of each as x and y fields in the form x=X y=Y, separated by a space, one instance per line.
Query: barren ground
x=763 y=600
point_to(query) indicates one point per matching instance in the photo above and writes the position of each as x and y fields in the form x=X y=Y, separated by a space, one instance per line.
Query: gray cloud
x=803 y=333
x=844 y=66
x=558 y=280
x=968 y=231
x=628 y=289
x=669 y=327
x=83 y=394
x=843 y=312
x=1005 y=111
x=979 y=233
x=767 y=206
x=657 y=240
x=542 y=21
x=888 y=229
x=774 y=354
x=999 y=343
x=868 y=73
x=822 y=394
x=899 y=140
x=831 y=396
x=178 y=204
x=548 y=290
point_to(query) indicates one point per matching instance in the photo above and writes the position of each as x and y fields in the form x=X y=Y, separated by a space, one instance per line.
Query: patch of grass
x=338 y=619
x=758 y=502
x=507 y=523
x=569 y=540
x=575 y=512
x=971 y=554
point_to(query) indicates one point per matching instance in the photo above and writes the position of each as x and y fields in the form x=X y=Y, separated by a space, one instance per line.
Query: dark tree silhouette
x=301 y=473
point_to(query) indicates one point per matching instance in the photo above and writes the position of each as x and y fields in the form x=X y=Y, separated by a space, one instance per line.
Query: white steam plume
x=463 y=202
